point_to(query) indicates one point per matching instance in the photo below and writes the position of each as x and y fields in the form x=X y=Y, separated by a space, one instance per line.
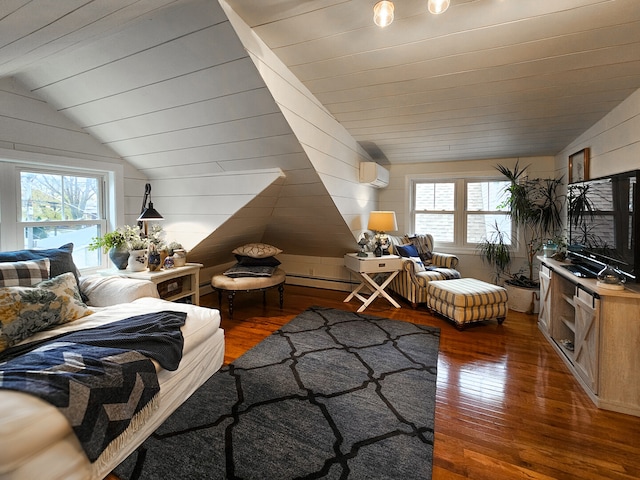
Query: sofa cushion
x=257 y=262
x=424 y=245
x=61 y=258
x=27 y=310
x=13 y=274
x=257 y=250
x=239 y=271
x=407 y=250
x=418 y=265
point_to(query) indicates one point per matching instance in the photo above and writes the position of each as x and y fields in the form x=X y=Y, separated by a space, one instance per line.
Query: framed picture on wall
x=579 y=166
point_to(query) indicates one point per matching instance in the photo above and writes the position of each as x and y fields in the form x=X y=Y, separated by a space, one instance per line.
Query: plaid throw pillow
x=24 y=274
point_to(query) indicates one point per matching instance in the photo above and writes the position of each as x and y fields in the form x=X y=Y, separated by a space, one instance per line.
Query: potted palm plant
x=495 y=251
x=535 y=207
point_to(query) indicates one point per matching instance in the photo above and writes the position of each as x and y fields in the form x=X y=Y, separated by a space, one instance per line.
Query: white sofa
x=36 y=440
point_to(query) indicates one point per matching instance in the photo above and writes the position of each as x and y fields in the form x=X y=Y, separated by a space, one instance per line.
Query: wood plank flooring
x=507 y=407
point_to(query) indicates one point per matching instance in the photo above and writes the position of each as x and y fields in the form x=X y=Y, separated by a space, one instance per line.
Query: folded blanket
x=101 y=379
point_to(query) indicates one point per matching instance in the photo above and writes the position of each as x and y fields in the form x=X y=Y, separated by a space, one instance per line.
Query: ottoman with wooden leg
x=467 y=300
x=223 y=283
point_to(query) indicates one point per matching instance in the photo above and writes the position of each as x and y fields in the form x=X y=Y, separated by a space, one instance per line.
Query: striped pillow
x=24 y=274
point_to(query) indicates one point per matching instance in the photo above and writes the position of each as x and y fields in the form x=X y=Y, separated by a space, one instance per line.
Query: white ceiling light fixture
x=383 y=10
x=383 y=13
x=438 y=6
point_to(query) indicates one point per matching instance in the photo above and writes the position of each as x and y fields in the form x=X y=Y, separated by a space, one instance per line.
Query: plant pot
x=179 y=257
x=119 y=256
x=137 y=260
x=523 y=299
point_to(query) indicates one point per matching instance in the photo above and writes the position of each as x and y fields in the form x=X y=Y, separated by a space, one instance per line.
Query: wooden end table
x=189 y=274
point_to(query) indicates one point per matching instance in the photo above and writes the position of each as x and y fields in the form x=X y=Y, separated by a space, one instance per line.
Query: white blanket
x=37 y=442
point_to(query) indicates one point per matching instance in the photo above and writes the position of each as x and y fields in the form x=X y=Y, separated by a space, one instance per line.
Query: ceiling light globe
x=438 y=6
x=383 y=13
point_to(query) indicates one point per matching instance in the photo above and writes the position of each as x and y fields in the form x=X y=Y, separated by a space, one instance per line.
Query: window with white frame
x=53 y=207
x=460 y=212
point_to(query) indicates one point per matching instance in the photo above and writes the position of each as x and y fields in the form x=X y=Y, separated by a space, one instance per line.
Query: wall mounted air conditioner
x=374 y=174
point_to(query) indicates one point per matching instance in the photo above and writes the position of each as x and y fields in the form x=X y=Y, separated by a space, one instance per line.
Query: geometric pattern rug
x=330 y=395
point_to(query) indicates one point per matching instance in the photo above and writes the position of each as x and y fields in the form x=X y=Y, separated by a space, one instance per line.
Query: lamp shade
x=382 y=221
x=383 y=13
x=147 y=212
x=150 y=213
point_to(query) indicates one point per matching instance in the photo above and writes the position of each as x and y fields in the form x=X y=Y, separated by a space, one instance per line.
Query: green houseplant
x=495 y=251
x=535 y=206
x=115 y=245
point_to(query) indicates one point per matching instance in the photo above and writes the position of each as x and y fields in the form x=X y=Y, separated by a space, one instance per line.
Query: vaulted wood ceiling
x=486 y=79
x=169 y=86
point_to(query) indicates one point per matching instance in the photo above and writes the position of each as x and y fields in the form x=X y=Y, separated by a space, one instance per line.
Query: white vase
x=179 y=257
x=137 y=260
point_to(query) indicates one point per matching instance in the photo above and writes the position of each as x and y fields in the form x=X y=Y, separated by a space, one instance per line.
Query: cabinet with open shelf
x=596 y=332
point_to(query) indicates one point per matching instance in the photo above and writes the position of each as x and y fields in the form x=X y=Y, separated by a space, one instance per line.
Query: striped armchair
x=412 y=285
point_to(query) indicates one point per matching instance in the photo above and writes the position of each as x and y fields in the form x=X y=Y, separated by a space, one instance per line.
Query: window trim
x=459 y=246
x=13 y=161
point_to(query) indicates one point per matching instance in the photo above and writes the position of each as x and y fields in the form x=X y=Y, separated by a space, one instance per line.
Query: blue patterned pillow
x=27 y=310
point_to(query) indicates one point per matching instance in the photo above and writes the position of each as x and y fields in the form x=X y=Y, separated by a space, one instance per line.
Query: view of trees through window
x=56 y=209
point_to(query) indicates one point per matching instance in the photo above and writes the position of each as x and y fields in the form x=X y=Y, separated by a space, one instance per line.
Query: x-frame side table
x=367 y=268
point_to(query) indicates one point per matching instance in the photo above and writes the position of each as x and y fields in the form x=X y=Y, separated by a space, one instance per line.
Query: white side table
x=363 y=266
x=189 y=276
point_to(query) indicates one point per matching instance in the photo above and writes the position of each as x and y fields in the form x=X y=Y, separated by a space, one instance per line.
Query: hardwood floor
x=507 y=407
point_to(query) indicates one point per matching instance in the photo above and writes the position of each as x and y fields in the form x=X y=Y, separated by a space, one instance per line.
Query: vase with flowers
x=137 y=244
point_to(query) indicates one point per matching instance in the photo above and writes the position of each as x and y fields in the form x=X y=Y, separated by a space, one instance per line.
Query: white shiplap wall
x=234 y=153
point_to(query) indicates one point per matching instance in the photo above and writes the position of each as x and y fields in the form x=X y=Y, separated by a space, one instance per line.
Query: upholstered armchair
x=411 y=283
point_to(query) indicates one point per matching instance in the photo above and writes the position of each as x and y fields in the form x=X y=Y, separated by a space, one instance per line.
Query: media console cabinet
x=596 y=331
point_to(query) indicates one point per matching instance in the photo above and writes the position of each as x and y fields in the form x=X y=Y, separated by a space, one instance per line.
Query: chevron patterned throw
x=98 y=387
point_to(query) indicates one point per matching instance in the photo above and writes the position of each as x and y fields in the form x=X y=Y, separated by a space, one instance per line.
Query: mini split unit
x=374 y=174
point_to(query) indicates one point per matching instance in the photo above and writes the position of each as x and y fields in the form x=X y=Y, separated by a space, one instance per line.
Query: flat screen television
x=603 y=221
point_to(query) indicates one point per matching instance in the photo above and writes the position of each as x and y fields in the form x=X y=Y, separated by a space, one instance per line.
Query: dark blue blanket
x=99 y=378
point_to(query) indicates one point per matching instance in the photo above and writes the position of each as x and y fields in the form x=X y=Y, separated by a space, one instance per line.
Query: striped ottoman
x=467 y=300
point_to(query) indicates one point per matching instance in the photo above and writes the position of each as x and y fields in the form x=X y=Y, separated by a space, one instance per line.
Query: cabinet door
x=587 y=326
x=544 y=315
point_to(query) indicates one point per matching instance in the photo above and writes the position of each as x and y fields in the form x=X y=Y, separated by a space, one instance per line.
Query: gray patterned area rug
x=331 y=395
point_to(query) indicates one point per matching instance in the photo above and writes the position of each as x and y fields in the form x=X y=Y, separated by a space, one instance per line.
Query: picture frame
x=579 y=166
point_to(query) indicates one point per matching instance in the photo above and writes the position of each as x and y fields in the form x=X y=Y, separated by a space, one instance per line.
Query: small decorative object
x=363 y=242
x=611 y=278
x=137 y=260
x=168 y=262
x=179 y=257
x=153 y=261
x=579 y=166
x=549 y=249
x=164 y=253
x=378 y=250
